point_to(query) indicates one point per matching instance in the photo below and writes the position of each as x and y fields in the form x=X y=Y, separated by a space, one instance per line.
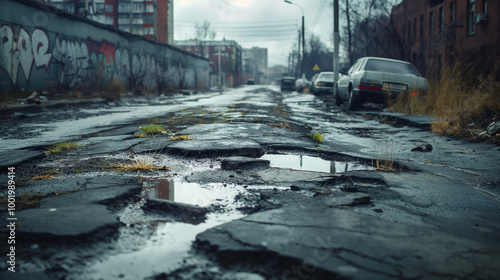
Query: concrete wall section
x=43 y=48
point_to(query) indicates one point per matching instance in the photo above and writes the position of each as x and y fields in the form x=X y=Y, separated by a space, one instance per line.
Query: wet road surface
x=253 y=195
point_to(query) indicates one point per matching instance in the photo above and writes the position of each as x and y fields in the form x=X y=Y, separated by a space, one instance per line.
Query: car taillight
x=372 y=87
x=320 y=84
x=295 y=84
x=418 y=93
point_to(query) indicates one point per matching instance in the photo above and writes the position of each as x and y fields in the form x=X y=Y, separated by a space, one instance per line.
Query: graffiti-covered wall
x=44 y=48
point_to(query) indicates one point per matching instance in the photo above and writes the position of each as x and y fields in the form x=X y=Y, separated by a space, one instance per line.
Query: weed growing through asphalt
x=281 y=125
x=149 y=131
x=181 y=138
x=138 y=165
x=65 y=146
x=317 y=137
x=384 y=160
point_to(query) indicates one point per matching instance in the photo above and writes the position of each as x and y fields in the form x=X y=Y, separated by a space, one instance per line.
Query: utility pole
x=303 y=40
x=336 y=40
x=303 y=48
x=220 y=74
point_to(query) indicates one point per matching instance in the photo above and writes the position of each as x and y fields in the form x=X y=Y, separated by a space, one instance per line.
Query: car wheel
x=338 y=101
x=353 y=100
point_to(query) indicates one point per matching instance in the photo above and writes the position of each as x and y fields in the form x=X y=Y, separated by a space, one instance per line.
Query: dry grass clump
x=43 y=177
x=137 y=165
x=384 y=162
x=281 y=125
x=181 y=138
x=114 y=89
x=460 y=97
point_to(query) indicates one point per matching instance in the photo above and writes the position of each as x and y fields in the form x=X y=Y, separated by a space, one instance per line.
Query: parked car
x=323 y=83
x=301 y=84
x=375 y=79
x=287 y=84
x=250 y=82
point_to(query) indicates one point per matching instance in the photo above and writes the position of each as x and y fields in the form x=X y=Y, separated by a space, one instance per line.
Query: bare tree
x=203 y=34
x=370 y=30
x=183 y=64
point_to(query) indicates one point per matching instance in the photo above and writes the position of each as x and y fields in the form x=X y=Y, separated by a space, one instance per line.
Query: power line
x=318 y=13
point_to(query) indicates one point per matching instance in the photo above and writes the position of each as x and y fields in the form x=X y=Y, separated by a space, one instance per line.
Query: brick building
x=434 y=33
x=229 y=53
x=136 y=16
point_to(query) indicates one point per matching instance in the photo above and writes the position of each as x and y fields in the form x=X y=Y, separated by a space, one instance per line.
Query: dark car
x=251 y=82
x=287 y=84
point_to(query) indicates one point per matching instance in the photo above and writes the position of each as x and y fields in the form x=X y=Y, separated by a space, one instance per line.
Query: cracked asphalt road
x=217 y=210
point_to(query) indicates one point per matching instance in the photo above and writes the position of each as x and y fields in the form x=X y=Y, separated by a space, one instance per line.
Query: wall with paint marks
x=42 y=48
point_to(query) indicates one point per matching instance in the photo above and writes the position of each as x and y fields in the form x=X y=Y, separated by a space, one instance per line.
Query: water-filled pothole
x=189 y=193
x=309 y=163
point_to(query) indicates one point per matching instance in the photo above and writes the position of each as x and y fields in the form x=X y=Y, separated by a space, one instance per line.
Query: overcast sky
x=271 y=24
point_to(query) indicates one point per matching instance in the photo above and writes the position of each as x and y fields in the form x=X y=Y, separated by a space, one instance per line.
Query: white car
x=374 y=79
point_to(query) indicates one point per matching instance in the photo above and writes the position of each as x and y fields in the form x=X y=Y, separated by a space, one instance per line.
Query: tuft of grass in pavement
x=385 y=161
x=317 y=137
x=150 y=130
x=60 y=147
x=181 y=138
x=137 y=165
x=281 y=125
x=43 y=177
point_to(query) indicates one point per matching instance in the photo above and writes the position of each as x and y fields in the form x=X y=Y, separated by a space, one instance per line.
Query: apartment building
x=434 y=33
x=152 y=19
x=225 y=57
x=255 y=64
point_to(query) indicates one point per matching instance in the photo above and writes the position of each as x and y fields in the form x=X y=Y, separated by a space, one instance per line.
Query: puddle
x=170 y=244
x=189 y=193
x=308 y=163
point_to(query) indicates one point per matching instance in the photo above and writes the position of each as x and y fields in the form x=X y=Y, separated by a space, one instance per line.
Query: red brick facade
x=441 y=32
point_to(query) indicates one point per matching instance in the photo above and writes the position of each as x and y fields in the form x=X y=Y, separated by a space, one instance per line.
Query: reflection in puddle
x=189 y=193
x=308 y=163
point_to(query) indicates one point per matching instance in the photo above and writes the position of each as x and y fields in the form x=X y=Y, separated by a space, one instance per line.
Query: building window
x=441 y=18
x=471 y=9
x=485 y=6
x=453 y=13
x=108 y=20
x=421 y=26
x=431 y=23
x=109 y=8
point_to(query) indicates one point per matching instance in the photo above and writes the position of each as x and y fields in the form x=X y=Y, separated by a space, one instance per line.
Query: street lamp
x=303 y=41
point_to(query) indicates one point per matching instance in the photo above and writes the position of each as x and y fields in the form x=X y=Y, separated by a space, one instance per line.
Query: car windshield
x=326 y=76
x=288 y=80
x=391 y=67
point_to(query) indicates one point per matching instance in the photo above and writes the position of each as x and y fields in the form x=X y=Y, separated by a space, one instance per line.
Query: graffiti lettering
x=24 y=52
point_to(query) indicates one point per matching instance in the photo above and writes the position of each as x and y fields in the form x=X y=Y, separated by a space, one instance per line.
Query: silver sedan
x=374 y=79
